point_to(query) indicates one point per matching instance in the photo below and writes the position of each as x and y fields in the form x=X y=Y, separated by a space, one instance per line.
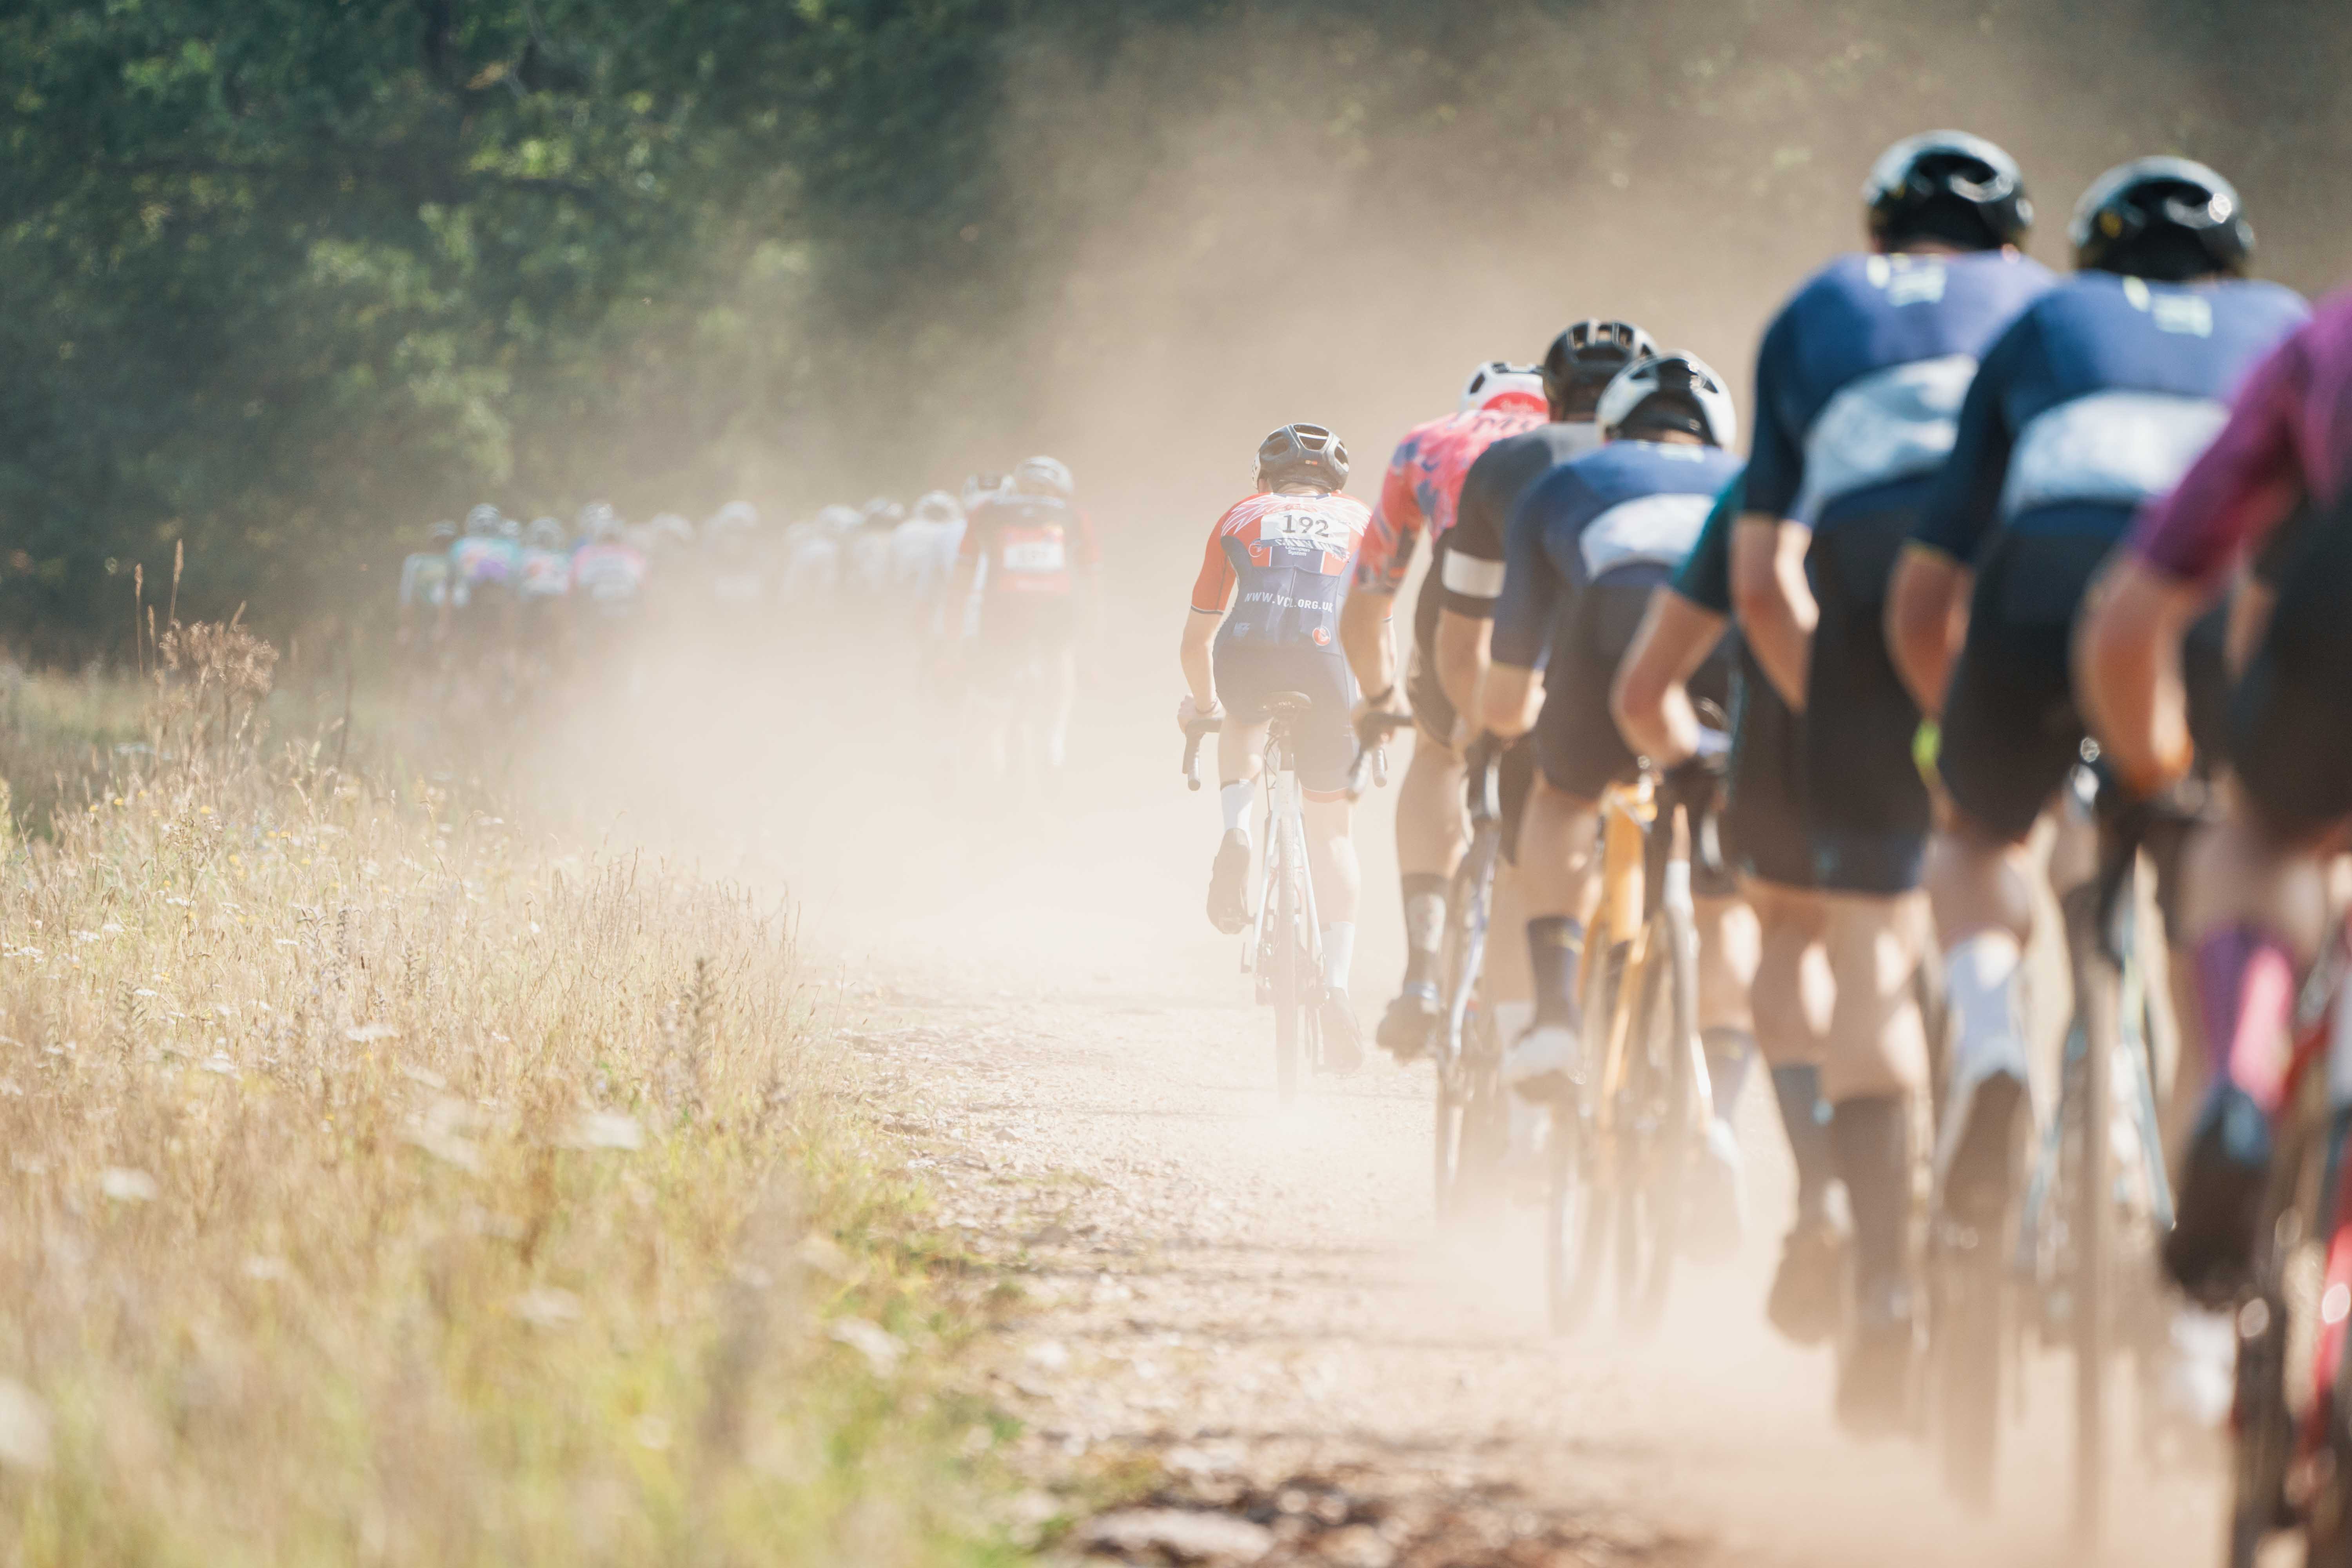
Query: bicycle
x=1473 y=1114
x=1619 y=1147
x=2291 y=1426
x=1285 y=946
x=2086 y=1223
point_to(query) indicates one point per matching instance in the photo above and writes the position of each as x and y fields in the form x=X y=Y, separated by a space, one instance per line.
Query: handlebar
x=1372 y=732
x=1193 y=734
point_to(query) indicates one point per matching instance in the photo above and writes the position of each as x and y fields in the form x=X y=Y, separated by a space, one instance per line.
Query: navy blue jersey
x=2096 y=400
x=1472 y=573
x=1858 y=379
x=1630 y=504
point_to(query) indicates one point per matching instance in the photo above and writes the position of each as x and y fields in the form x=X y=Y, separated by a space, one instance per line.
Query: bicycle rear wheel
x=1289 y=979
x=1659 y=1117
x=1577 y=1206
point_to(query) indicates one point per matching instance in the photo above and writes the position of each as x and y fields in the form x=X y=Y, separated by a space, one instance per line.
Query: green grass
x=380 y=1184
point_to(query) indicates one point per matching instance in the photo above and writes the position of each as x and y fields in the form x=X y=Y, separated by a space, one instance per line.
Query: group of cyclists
x=1994 y=526
x=994 y=586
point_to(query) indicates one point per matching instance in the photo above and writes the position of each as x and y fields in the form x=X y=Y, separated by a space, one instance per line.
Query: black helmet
x=1947 y=186
x=1582 y=360
x=1302 y=454
x=2164 y=218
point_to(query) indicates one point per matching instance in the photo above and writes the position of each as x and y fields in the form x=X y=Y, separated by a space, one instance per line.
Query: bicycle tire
x=1970 y=1334
x=1471 y=1128
x=1577 y=1206
x=1663 y=1061
x=2098 y=990
x=1289 y=1041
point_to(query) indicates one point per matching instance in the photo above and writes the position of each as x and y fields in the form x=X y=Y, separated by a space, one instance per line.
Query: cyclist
x=542 y=580
x=1587 y=546
x=865 y=553
x=1857 y=384
x=1419 y=495
x=1280 y=558
x=425 y=597
x=608 y=570
x=1028 y=559
x=1577 y=366
x=484 y=563
x=1764 y=832
x=812 y=565
x=2094 y=403
x=738 y=582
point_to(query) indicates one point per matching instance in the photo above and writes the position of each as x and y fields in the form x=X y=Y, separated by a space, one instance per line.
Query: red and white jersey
x=1028 y=546
x=1423 y=485
x=1287 y=556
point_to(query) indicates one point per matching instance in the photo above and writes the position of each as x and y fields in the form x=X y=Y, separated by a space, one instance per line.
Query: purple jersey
x=2287 y=442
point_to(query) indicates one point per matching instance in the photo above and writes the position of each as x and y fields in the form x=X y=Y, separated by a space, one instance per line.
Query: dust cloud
x=1289 y=218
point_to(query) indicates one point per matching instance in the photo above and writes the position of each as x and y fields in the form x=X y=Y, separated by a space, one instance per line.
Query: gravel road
x=1243 y=1318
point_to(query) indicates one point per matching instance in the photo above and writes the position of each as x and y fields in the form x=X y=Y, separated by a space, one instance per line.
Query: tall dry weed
x=381 y=1184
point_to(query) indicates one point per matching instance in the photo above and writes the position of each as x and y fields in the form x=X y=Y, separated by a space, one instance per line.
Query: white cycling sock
x=1338 y=952
x=1980 y=975
x=1235 y=799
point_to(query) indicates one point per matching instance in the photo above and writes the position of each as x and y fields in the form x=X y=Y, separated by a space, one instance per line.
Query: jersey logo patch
x=1656 y=529
x=2119 y=448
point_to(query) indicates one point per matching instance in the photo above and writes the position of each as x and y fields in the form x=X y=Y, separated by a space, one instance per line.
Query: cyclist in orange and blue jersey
x=1279 y=558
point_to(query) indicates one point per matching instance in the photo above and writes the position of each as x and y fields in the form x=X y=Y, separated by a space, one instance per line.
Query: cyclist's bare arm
x=1651 y=696
x=1927 y=622
x=1366 y=627
x=1513 y=697
x=1193 y=655
x=1775 y=604
x=2128 y=667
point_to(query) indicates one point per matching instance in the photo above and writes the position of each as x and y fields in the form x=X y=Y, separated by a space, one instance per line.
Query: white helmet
x=1500 y=383
x=734 y=514
x=599 y=521
x=671 y=529
x=1679 y=390
x=938 y=506
x=482 y=521
x=839 y=520
x=1044 y=477
x=544 y=534
x=978 y=487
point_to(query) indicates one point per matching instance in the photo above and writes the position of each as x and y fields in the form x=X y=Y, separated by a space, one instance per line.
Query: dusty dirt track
x=1250 y=1309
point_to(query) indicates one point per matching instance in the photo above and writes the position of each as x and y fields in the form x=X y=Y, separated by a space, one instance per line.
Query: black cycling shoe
x=1809 y=1282
x=1229 y=884
x=1343 y=1041
x=2210 y=1252
x=1874 y=1388
x=1406 y=1026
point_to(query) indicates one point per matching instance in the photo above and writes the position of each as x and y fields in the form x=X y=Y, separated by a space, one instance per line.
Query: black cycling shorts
x=1249 y=673
x=1764 y=805
x=2289 y=723
x=1865 y=805
x=1577 y=744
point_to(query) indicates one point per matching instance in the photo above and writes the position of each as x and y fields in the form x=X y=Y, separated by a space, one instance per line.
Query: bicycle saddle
x=1290 y=705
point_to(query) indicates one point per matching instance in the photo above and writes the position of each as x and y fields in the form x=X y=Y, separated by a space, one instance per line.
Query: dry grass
x=376 y=1187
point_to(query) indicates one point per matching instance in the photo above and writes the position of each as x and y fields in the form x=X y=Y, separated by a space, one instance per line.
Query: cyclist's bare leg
x=1431 y=832
x=1792 y=1001
x=1876 y=1043
x=1559 y=882
x=2254 y=910
x=1241 y=759
x=1728 y=952
x=1331 y=859
x=1982 y=887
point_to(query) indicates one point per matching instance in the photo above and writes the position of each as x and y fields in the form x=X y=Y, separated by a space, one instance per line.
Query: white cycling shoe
x=1543 y=1063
